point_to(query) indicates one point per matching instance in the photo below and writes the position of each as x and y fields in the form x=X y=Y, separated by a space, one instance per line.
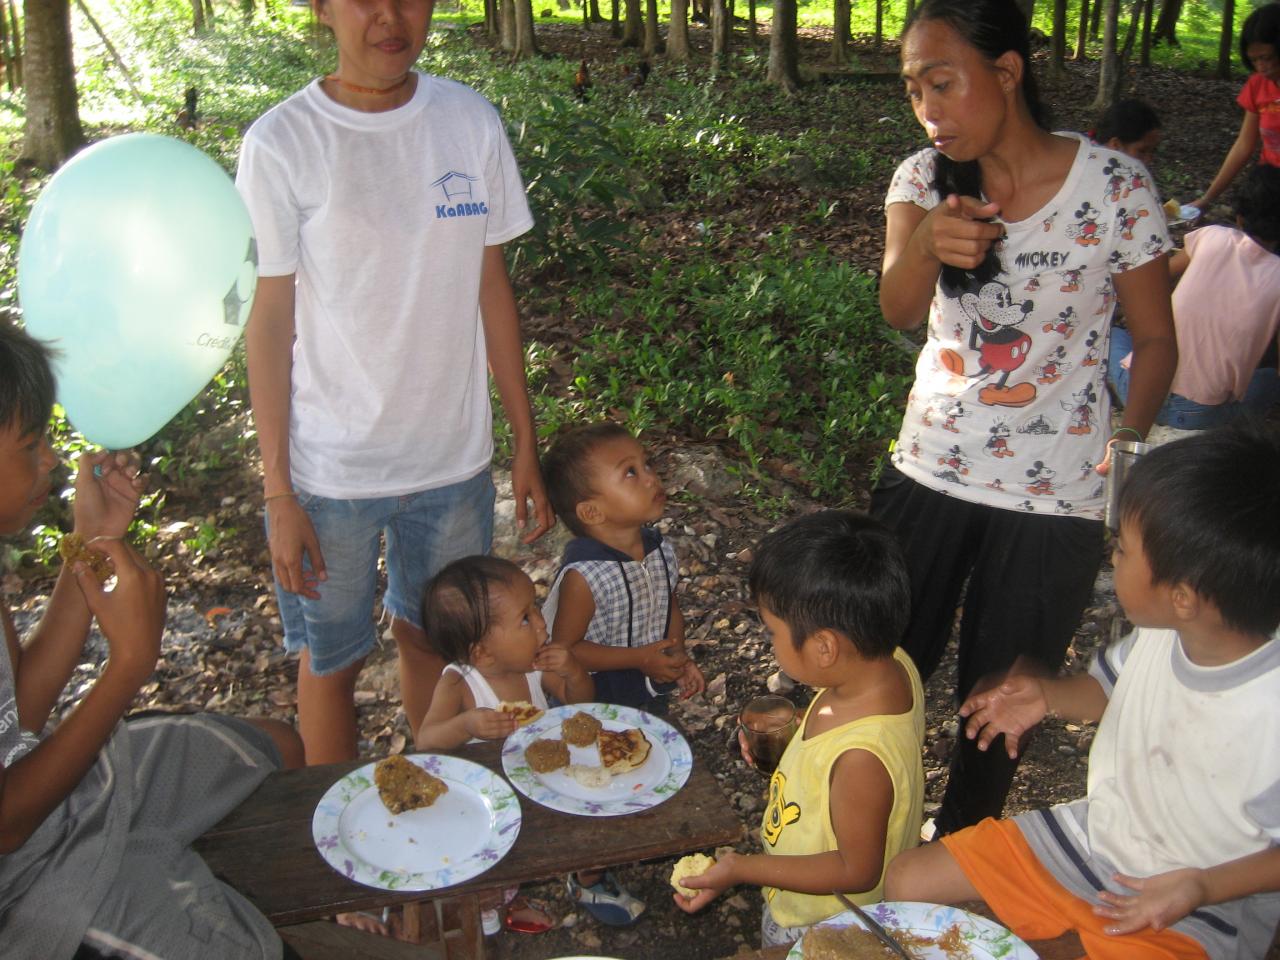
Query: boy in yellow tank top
x=848 y=793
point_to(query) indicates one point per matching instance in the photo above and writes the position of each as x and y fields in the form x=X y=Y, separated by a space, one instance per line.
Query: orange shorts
x=997 y=860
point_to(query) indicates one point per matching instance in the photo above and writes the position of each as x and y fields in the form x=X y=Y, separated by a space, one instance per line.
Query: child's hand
x=131 y=616
x=692 y=682
x=557 y=660
x=1159 y=902
x=709 y=885
x=1012 y=708
x=488 y=724
x=747 y=758
x=664 y=661
x=108 y=488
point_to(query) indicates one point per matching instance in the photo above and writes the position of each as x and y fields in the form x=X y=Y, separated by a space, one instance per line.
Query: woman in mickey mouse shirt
x=1013 y=243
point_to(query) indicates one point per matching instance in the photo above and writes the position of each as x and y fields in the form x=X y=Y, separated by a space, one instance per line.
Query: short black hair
x=1261 y=26
x=27 y=387
x=838 y=570
x=565 y=471
x=1257 y=203
x=1208 y=511
x=1127 y=121
x=457 y=605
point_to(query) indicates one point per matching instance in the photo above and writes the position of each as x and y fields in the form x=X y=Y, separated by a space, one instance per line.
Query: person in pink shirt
x=1226 y=312
x=1260 y=98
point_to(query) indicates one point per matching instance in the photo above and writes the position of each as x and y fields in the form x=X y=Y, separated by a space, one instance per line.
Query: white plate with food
x=928 y=931
x=605 y=762
x=459 y=832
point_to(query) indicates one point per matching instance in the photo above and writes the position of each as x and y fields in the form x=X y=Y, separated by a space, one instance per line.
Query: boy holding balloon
x=381 y=198
x=97 y=815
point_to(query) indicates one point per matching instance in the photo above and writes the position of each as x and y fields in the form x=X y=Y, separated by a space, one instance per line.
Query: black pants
x=1029 y=578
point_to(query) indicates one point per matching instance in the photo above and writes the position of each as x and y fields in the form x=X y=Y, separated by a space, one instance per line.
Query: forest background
x=703 y=270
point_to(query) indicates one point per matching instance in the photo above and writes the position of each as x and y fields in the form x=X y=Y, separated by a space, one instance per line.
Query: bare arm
x=1179 y=260
x=917 y=244
x=132 y=618
x=1241 y=153
x=505 y=349
x=453 y=719
x=269 y=353
x=563 y=676
x=861 y=803
x=1022 y=701
x=1144 y=294
x=1161 y=901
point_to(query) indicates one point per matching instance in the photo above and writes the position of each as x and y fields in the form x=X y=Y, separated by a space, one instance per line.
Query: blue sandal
x=607 y=901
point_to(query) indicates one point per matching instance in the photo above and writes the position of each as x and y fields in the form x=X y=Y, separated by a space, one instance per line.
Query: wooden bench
x=265 y=850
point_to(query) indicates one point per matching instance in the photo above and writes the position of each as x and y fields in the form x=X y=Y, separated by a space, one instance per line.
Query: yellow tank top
x=797 y=820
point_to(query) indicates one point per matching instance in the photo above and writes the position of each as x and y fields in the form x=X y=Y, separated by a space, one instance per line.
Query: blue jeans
x=424 y=532
x=1184 y=414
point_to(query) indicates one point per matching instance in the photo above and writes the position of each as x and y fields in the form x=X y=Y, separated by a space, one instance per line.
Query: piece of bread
x=544 y=756
x=593 y=778
x=1172 y=209
x=524 y=711
x=73 y=549
x=580 y=729
x=694 y=865
x=622 y=750
x=403 y=785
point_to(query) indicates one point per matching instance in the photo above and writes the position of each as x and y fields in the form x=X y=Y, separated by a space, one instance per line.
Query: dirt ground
x=223 y=650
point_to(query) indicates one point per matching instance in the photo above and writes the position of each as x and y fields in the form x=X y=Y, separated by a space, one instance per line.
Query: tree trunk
x=678 y=32
x=6 y=52
x=595 y=11
x=911 y=8
x=784 y=69
x=652 y=42
x=1095 y=16
x=15 y=35
x=879 y=23
x=526 y=40
x=633 y=24
x=841 y=15
x=1082 y=33
x=753 y=28
x=1224 y=42
x=508 y=28
x=1058 y=51
x=1167 y=22
x=720 y=33
x=52 y=132
x=1147 y=11
x=197 y=16
x=492 y=19
x=1122 y=60
x=1107 y=80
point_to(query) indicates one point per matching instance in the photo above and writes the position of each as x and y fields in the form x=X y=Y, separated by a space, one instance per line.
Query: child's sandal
x=607 y=900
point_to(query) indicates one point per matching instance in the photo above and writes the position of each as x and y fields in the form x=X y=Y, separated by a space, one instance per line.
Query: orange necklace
x=369 y=91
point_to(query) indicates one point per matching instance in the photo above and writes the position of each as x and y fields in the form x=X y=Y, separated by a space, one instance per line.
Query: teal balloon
x=138 y=264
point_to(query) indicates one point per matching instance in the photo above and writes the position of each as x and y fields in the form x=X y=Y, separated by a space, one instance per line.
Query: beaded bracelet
x=1133 y=430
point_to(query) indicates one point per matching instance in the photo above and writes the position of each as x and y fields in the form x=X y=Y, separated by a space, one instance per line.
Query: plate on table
x=662 y=774
x=464 y=833
x=974 y=937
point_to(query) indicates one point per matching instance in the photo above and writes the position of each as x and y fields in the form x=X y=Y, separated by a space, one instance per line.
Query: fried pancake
x=524 y=711
x=73 y=548
x=403 y=785
x=580 y=729
x=622 y=750
x=543 y=756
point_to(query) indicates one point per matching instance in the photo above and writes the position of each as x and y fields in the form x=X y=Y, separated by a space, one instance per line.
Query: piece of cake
x=73 y=549
x=403 y=785
x=544 y=756
x=581 y=729
x=694 y=865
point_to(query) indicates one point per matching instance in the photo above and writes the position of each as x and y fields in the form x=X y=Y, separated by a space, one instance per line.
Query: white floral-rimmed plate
x=460 y=836
x=659 y=777
x=985 y=939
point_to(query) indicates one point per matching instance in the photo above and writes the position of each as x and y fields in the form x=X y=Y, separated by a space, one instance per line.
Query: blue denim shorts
x=423 y=531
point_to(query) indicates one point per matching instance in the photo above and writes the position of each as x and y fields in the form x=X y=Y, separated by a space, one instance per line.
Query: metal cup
x=1124 y=454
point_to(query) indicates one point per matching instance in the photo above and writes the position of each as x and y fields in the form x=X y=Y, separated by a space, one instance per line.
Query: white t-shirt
x=384 y=218
x=1009 y=406
x=1184 y=772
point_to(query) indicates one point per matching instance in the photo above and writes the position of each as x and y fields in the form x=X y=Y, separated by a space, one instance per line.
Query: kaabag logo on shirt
x=456 y=189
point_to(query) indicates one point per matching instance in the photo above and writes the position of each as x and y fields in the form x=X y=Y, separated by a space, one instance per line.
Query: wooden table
x=264 y=848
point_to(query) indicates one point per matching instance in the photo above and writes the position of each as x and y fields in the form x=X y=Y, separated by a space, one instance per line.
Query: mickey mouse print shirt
x=1009 y=406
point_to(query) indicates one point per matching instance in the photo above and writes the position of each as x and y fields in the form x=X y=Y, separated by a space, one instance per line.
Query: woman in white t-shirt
x=381 y=198
x=1012 y=243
